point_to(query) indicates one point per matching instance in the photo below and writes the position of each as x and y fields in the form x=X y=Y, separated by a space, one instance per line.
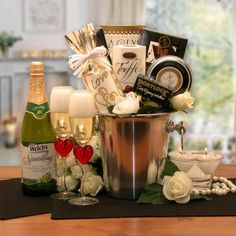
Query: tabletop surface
x=189 y=226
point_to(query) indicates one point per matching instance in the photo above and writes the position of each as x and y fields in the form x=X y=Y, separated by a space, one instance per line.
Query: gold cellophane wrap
x=97 y=78
x=82 y=41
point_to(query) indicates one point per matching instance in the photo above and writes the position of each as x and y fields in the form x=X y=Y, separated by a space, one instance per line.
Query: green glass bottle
x=37 y=139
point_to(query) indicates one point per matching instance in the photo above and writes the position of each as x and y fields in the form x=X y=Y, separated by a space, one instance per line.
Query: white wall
x=77 y=14
x=12 y=20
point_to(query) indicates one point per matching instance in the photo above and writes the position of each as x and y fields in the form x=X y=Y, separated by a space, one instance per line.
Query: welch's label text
x=37 y=159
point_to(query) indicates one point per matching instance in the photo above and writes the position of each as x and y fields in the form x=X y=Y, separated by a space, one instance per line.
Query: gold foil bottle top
x=37 y=92
x=36 y=67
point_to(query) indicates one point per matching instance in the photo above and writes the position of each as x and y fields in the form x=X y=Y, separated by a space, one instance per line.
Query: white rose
x=178 y=187
x=70 y=183
x=95 y=143
x=182 y=101
x=87 y=168
x=93 y=184
x=70 y=160
x=76 y=172
x=61 y=165
x=126 y=105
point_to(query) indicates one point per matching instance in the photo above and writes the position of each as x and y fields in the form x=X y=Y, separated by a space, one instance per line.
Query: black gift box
x=160 y=44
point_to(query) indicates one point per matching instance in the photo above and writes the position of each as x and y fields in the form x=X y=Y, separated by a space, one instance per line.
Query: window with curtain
x=206 y=24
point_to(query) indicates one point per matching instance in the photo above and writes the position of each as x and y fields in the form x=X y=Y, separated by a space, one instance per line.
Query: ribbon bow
x=79 y=62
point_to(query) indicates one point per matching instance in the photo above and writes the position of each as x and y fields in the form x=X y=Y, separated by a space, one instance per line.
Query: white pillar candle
x=82 y=104
x=59 y=107
x=82 y=112
x=59 y=99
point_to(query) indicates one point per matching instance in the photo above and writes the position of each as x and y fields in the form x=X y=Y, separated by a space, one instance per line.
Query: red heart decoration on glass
x=63 y=147
x=83 y=154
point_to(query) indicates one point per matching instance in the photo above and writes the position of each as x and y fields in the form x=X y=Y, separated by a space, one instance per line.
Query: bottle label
x=38 y=161
x=39 y=111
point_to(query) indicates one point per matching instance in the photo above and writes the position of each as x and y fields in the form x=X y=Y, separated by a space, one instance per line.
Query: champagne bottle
x=37 y=138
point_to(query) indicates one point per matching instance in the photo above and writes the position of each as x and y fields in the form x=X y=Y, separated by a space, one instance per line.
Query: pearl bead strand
x=221 y=186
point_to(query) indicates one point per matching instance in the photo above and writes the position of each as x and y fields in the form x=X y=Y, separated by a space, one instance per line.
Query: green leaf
x=200 y=197
x=169 y=169
x=146 y=109
x=153 y=194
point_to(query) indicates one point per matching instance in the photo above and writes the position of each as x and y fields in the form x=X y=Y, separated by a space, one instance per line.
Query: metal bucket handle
x=180 y=128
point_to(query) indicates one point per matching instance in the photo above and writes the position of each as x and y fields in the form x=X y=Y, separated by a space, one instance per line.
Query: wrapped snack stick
x=91 y=64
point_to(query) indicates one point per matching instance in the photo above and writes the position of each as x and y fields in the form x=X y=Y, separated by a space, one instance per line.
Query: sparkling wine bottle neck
x=37 y=91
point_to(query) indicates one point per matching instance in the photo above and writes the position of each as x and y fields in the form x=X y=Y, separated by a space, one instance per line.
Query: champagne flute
x=82 y=113
x=59 y=106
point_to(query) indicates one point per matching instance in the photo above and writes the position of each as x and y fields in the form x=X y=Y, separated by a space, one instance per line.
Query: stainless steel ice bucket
x=132 y=148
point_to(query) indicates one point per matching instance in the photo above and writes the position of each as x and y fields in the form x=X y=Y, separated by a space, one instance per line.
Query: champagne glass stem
x=83 y=200
x=64 y=176
x=82 y=181
x=64 y=193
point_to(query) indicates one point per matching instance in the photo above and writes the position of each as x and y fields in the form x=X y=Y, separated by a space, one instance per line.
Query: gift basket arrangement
x=112 y=136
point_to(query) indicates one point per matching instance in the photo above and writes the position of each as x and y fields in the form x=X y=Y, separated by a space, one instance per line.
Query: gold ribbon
x=80 y=62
